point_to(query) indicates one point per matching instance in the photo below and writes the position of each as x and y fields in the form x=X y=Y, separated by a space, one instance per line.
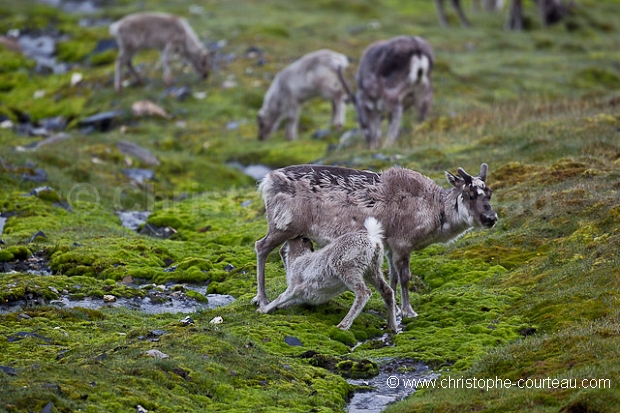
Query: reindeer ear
x=484 y=168
x=466 y=177
x=454 y=180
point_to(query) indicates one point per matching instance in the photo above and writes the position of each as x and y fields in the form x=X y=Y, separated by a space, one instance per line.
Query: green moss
x=20 y=252
x=6 y=256
x=197 y=296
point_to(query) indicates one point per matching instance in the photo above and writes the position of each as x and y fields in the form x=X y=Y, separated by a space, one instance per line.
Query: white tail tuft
x=375 y=229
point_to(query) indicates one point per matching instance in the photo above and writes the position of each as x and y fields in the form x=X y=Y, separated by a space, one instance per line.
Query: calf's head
x=294 y=248
x=475 y=196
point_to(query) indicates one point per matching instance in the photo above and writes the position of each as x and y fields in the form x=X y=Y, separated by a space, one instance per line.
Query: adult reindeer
x=551 y=11
x=325 y=202
x=165 y=32
x=392 y=75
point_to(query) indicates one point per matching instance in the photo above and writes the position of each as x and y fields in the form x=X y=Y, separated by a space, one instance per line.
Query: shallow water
x=173 y=305
x=133 y=219
x=393 y=383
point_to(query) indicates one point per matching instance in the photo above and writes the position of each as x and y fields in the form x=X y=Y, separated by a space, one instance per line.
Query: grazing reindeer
x=168 y=33
x=325 y=202
x=441 y=12
x=314 y=74
x=343 y=265
x=392 y=74
x=551 y=11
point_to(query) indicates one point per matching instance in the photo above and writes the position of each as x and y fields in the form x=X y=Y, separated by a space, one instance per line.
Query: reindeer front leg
x=338 y=111
x=292 y=119
x=396 y=114
x=166 y=58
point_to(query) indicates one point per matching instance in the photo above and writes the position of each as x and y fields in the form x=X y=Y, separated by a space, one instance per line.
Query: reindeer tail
x=375 y=230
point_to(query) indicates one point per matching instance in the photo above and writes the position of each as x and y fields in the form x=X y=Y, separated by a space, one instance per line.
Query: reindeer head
x=294 y=248
x=202 y=63
x=475 y=196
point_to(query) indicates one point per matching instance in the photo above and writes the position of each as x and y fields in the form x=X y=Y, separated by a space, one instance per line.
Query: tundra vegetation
x=534 y=297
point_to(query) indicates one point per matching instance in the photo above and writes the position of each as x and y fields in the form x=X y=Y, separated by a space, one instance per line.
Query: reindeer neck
x=455 y=218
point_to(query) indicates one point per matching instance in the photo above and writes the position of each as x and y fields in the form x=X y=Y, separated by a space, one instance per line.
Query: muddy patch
x=396 y=380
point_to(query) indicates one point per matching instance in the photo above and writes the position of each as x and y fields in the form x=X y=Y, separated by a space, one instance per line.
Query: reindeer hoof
x=408 y=313
x=260 y=301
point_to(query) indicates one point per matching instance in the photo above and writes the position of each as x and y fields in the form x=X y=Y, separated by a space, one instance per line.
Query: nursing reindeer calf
x=165 y=32
x=313 y=75
x=392 y=75
x=346 y=264
x=326 y=202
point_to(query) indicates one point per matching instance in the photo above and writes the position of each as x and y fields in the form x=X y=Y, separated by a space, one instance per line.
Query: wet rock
x=254 y=52
x=156 y=333
x=179 y=93
x=102 y=122
x=76 y=79
x=20 y=335
x=31 y=174
x=140 y=409
x=157 y=232
x=216 y=320
x=36 y=235
x=139 y=174
x=101 y=357
x=2 y=222
x=104 y=45
x=24 y=316
x=257 y=172
x=186 y=321
x=6 y=124
x=229 y=267
x=95 y=22
x=133 y=219
x=109 y=298
x=45 y=193
x=8 y=370
x=321 y=134
x=59 y=137
x=156 y=354
x=181 y=373
x=292 y=341
x=143 y=155
x=48 y=407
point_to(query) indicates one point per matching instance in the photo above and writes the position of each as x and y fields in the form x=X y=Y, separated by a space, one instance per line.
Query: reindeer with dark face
x=325 y=202
x=392 y=75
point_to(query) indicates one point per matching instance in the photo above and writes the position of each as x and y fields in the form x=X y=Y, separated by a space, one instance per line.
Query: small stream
x=393 y=383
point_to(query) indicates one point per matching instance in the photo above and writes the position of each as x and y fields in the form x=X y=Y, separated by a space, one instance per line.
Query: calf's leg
x=355 y=283
x=376 y=280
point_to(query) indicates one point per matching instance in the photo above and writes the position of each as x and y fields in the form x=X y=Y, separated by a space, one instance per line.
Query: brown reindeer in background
x=165 y=32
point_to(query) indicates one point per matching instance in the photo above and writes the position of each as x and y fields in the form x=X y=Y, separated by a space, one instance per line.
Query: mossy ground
x=534 y=297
